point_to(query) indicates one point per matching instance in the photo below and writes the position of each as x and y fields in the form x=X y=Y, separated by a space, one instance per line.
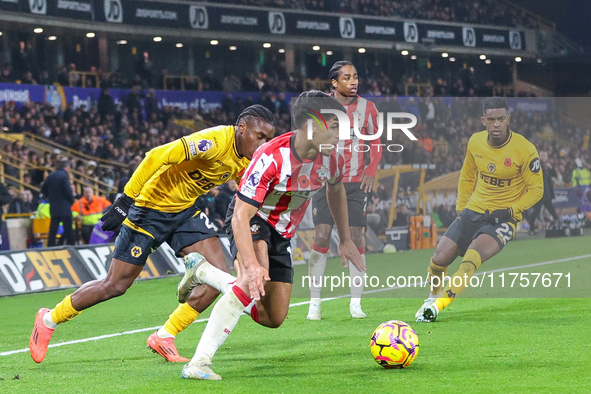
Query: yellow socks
x=64 y=311
x=470 y=264
x=440 y=273
x=181 y=318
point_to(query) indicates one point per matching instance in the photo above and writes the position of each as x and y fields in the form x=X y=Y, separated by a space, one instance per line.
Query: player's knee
x=322 y=240
x=440 y=259
x=275 y=323
x=357 y=240
x=202 y=294
x=114 y=289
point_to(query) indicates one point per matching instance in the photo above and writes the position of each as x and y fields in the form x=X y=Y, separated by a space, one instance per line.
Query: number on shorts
x=505 y=233
x=204 y=217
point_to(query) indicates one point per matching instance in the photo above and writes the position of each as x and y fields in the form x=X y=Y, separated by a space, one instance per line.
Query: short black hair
x=494 y=103
x=257 y=111
x=62 y=163
x=313 y=100
x=334 y=70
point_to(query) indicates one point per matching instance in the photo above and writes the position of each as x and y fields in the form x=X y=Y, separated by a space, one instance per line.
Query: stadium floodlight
x=361 y=50
x=404 y=53
x=482 y=57
x=214 y=42
x=281 y=50
x=445 y=54
x=90 y=35
x=414 y=57
x=328 y=53
x=38 y=30
x=232 y=47
x=518 y=59
x=52 y=38
x=316 y=48
x=488 y=61
x=179 y=45
x=452 y=59
x=157 y=39
x=1 y=34
x=122 y=42
x=267 y=45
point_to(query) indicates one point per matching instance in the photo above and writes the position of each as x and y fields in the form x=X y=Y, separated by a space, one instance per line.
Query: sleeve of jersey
x=176 y=152
x=467 y=180
x=531 y=170
x=257 y=180
x=375 y=152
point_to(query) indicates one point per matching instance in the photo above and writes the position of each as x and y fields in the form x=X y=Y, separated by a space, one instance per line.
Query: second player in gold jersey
x=506 y=176
x=500 y=179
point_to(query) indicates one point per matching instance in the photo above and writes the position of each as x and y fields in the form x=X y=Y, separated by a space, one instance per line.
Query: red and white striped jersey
x=280 y=184
x=355 y=167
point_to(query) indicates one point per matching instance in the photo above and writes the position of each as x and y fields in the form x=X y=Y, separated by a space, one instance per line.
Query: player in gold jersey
x=500 y=179
x=158 y=205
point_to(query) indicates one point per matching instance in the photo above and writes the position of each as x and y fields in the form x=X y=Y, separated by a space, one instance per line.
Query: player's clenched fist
x=116 y=213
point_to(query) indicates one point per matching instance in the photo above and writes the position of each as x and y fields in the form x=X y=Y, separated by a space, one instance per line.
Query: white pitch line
x=118 y=334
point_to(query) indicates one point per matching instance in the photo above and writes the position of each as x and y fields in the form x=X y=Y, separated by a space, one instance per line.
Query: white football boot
x=356 y=311
x=199 y=372
x=315 y=311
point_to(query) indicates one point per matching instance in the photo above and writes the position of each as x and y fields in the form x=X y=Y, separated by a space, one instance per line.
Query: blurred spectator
x=144 y=69
x=447 y=214
x=105 y=104
x=87 y=211
x=402 y=216
x=22 y=203
x=151 y=105
x=5 y=198
x=581 y=175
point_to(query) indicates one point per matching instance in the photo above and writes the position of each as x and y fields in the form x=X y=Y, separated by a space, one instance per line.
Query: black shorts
x=470 y=225
x=356 y=206
x=146 y=229
x=280 y=268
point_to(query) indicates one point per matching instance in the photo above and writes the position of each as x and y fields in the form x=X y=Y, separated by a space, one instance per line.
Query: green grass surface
x=478 y=344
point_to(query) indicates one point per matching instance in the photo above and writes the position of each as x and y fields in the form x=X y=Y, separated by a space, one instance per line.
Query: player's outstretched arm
x=257 y=275
x=337 y=202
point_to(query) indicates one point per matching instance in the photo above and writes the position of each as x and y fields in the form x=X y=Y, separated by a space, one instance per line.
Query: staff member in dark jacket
x=58 y=191
x=546 y=200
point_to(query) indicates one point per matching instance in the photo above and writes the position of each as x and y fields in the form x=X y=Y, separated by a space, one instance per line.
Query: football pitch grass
x=477 y=344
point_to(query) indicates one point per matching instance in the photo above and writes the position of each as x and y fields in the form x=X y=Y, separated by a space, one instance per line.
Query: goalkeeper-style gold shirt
x=172 y=176
x=506 y=176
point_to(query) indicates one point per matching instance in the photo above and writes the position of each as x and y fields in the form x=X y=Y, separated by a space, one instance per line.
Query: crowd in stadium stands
x=466 y=11
x=123 y=133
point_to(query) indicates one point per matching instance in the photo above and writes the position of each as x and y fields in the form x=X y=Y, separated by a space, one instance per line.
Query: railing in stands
x=317 y=84
x=78 y=179
x=170 y=81
x=42 y=143
x=417 y=89
x=87 y=79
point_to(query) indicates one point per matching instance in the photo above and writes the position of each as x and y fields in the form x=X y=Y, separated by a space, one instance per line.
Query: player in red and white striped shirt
x=272 y=197
x=362 y=159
